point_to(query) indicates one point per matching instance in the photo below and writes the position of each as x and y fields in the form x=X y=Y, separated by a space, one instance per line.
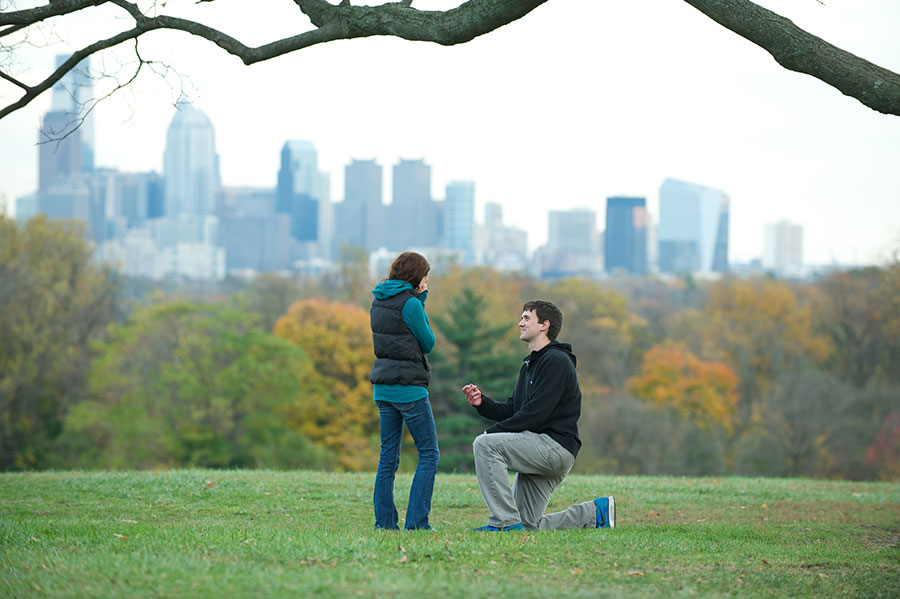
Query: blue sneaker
x=606 y=512
x=490 y=528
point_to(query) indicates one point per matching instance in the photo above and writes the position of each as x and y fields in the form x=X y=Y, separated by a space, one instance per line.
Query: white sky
x=580 y=100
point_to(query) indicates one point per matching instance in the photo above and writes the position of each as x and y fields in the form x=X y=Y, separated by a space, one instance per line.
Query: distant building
x=572 y=230
x=60 y=149
x=135 y=254
x=693 y=228
x=783 y=248
x=413 y=216
x=572 y=246
x=625 y=239
x=247 y=201
x=459 y=219
x=26 y=207
x=258 y=243
x=303 y=193
x=139 y=196
x=359 y=219
x=71 y=201
x=191 y=166
x=73 y=95
x=500 y=246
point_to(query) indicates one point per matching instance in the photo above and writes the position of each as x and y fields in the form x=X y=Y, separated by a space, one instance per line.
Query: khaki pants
x=540 y=464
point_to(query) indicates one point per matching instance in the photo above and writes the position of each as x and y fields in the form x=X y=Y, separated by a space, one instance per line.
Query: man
x=535 y=435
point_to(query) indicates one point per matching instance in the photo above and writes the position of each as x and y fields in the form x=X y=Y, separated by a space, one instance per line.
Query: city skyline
x=563 y=125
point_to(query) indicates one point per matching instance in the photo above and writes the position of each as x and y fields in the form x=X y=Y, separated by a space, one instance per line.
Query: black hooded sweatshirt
x=547 y=398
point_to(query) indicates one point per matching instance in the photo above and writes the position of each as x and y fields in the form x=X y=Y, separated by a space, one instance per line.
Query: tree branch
x=30 y=16
x=793 y=48
x=800 y=51
x=399 y=19
x=33 y=92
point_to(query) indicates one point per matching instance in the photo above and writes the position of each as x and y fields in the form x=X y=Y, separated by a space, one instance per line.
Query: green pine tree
x=479 y=353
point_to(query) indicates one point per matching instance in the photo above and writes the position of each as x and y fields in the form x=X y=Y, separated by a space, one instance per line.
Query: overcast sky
x=578 y=101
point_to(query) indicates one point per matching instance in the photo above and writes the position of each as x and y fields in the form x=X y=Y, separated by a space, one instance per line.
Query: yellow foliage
x=341 y=414
x=762 y=324
x=672 y=375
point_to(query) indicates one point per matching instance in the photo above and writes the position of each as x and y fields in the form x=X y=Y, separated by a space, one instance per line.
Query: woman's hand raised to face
x=423 y=285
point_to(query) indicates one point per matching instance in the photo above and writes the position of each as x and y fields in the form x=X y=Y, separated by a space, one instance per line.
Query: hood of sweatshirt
x=390 y=288
x=553 y=345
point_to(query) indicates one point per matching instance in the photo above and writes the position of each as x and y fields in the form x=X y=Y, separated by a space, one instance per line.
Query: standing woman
x=402 y=336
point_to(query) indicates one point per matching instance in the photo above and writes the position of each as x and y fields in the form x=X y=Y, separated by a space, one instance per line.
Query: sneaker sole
x=612 y=512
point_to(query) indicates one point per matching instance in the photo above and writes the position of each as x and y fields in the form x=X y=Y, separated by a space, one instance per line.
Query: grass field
x=203 y=533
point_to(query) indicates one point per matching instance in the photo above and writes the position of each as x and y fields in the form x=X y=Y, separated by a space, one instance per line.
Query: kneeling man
x=535 y=435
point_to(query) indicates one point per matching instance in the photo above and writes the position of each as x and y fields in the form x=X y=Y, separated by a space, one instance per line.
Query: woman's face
x=423 y=284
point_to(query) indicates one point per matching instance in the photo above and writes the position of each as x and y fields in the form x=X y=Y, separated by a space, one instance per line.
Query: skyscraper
x=504 y=248
x=190 y=163
x=359 y=219
x=572 y=246
x=459 y=219
x=413 y=215
x=693 y=228
x=783 y=249
x=571 y=230
x=59 y=156
x=74 y=96
x=625 y=242
x=302 y=190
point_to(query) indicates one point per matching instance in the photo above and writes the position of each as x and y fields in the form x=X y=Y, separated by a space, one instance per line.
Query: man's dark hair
x=546 y=311
x=410 y=267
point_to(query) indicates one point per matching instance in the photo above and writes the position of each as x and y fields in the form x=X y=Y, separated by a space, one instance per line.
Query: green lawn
x=204 y=533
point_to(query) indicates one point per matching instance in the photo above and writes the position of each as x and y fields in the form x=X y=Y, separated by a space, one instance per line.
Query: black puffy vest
x=398 y=358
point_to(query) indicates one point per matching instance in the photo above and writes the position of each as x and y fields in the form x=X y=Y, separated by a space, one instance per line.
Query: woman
x=402 y=336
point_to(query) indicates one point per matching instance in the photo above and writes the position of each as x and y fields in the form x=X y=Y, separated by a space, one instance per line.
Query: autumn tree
x=761 y=329
x=341 y=415
x=861 y=316
x=792 y=47
x=705 y=392
x=53 y=303
x=189 y=384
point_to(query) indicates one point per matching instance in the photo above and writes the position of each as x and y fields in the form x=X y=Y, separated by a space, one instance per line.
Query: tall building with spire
x=190 y=164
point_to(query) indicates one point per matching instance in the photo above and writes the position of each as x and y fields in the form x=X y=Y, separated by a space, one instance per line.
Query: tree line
x=754 y=376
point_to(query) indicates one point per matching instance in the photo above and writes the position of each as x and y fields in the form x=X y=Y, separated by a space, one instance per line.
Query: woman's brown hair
x=410 y=267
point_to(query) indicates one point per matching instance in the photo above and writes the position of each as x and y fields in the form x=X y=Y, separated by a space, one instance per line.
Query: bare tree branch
x=14 y=81
x=798 y=50
x=33 y=92
x=30 y=16
x=791 y=46
x=88 y=107
x=12 y=29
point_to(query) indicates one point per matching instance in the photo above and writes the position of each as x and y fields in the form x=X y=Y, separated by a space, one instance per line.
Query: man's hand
x=473 y=394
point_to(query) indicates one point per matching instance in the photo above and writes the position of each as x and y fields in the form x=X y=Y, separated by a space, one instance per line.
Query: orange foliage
x=340 y=415
x=761 y=323
x=672 y=375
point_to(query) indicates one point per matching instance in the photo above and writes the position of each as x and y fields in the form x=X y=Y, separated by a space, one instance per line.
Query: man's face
x=529 y=327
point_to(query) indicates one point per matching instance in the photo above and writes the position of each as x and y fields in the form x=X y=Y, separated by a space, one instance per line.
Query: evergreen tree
x=478 y=353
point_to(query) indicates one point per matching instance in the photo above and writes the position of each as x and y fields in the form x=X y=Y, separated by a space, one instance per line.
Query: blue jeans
x=420 y=422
